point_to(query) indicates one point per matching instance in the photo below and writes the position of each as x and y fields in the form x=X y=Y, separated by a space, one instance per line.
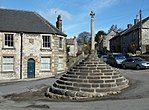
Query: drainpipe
x=21 y=34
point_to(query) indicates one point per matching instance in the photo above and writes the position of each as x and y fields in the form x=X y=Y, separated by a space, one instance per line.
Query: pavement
x=134 y=98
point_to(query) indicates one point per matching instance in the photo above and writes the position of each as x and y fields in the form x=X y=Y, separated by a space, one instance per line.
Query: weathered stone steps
x=91 y=70
x=89 y=78
x=71 y=81
x=62 y=90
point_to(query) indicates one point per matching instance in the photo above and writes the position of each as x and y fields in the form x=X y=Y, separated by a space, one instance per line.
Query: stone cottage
x=30 y=46
x=134 y=38
x=115 y=42
x=109 y=36
x=73 y=46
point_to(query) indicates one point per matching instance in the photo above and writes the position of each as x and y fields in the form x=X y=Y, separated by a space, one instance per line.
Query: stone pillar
x=92 y=14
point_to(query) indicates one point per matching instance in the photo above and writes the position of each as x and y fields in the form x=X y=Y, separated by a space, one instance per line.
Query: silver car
x=135 y=63
x=115 y=59
x=104 y=58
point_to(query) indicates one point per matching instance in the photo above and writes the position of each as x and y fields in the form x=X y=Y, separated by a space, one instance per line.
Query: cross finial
x=92 y=14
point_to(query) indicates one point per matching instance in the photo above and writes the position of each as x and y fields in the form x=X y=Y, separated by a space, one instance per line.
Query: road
x=134 y=98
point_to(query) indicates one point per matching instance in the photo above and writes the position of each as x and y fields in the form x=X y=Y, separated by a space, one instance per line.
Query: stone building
x=109 y=36
x=115 y=42
x=73 y=46
x=30 y=46
x=132 y=39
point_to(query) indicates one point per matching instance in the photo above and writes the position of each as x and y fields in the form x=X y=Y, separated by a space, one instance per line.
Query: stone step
x=77 y=84
x=66 y=87
x=71 y=79
x=89 y=78
x=93 y=73
x=92 y=63
x=64 y=82
x=121 y=83
x=83 y=93
x=92 y=76
x=91 y=67
x=107 y=90
x=106 y=70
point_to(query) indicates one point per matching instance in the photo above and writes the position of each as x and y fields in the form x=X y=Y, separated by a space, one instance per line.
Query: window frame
x=9 y=40
x=49 y=69
x=59 y=68
x=47 y=43
x=4 y=63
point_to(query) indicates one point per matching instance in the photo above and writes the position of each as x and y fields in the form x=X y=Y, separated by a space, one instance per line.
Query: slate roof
x=134 y=27
x=119 y=34
x=25 y=21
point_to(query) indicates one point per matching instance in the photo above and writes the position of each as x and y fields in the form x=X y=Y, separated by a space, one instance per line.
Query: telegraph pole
x=140 y=29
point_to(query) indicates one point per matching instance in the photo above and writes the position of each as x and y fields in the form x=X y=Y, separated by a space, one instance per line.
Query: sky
x=75 y=13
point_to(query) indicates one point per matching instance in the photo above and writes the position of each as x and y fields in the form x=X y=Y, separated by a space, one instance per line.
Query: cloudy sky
x=75 y=13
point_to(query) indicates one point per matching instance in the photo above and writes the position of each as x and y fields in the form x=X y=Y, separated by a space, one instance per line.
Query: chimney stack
x=129 y=26
x=136 y=20
x=59 y=23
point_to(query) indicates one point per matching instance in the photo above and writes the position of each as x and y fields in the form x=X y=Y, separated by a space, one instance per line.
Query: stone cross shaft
x=92 y=14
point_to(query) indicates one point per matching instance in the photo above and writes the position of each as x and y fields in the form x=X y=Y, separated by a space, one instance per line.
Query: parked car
x=104 y=58
x=115 y=59
x=135 y=63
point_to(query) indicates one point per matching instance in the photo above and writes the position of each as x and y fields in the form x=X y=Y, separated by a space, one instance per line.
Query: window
x=60 y=42
x=8 y=62
x=129 y=60
x=45 y=63
x=46 y=41
x=60 y=63
x=9 y=40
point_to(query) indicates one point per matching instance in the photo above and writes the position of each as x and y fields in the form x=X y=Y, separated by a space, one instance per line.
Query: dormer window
x=9 y=40
x=46 y=41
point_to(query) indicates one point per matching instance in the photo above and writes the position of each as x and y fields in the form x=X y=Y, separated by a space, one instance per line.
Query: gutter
x=21 y=49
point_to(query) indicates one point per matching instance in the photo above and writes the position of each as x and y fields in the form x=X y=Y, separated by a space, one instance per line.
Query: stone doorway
x=31 y=68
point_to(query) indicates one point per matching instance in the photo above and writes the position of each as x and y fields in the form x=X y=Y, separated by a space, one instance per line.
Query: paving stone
x=105 y=85
x=108 y=73
x=73 y=88
x=95 y=81
x=87 y=90
x=81 y=94
x=70 y=93
x=109 y=81
x=95 y=85
x=93 y=77
x=105 y=77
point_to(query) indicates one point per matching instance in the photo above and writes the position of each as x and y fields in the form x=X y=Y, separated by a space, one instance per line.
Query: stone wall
x=145 y=37
x=32 y=48
x=15 y=52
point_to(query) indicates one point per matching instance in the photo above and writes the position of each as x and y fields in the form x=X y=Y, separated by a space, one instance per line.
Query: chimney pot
x=136 y=21
x=129 y=26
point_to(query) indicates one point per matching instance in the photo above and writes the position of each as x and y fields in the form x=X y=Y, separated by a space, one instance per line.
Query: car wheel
x=138 y=67
x=124 y=66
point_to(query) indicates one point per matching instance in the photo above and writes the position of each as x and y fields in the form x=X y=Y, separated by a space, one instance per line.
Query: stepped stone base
x=90 y=78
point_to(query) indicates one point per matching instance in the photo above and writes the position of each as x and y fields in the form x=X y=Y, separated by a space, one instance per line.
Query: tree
x=98 y=37
x=115 y=28
x=83 y=38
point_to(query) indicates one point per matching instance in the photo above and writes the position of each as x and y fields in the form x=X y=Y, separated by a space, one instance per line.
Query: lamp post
x=92 y=14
